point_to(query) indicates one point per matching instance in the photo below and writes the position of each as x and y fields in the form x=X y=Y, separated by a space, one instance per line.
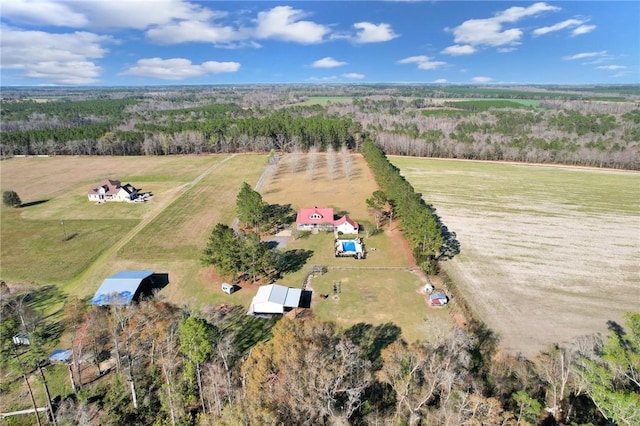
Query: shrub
x=11 y=199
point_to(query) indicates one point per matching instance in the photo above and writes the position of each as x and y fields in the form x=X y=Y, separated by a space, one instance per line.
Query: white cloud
x=178 y=68
x=585 y=55
x=481 y=79
x=327 y=62
x=490 y=32
x=284 y=23
x=328 y=78
x=58 y=58
x=353 y=76
x=424 y=62
x=569 y=23
x=194 y=31
x=506 y=49
x=372 y=33
x=45 y=12
x=583 y=29
x=459 y=49
x=141 y=14
x=440 y=80
x=611 y=67
x=514 y=14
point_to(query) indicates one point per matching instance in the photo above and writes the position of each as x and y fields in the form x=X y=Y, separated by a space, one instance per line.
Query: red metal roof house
x=315 y=218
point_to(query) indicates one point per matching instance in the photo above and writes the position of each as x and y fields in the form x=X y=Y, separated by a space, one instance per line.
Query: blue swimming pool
x=349 y=246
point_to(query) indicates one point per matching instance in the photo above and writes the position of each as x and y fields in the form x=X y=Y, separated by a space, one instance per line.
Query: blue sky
x=154 y=42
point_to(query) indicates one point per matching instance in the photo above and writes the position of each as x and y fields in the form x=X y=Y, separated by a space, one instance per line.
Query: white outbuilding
x=275 y=299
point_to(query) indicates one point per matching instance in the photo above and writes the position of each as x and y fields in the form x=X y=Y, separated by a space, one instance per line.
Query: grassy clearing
x=540 y=245
x=324 y=100
x=500 y=187
x=377 y=297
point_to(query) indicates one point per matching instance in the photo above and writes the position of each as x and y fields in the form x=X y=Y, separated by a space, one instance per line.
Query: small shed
x=275 y=299
x=21 y=339
x=121 y=288
x=228 y=288
x=438 y=299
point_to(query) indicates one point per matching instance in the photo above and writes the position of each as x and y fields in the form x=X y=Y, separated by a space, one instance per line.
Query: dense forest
x=171 y=366
x=544 y=125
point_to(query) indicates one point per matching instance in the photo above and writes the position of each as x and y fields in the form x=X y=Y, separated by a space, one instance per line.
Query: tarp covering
x=120 y=288
x=61 y=355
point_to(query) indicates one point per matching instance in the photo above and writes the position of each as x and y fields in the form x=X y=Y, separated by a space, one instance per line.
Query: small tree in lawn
x=250 y=206
x=11 y=199
x=377 y=204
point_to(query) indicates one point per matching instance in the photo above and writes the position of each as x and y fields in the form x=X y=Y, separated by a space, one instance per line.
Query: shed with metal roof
x=120 y=288
x=275 y=299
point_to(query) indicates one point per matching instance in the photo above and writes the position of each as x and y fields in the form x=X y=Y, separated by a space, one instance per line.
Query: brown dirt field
x=300 y=189
x=540 y=262
x=567 y=281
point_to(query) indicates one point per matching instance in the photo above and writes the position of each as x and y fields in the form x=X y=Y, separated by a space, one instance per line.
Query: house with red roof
x=315 y=219
x=112 y=190
x=322 y=219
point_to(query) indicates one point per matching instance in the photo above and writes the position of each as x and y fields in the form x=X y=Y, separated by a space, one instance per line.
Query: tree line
x=157 y=364
x=552 y=127
x=214 y=134
x=419 y=224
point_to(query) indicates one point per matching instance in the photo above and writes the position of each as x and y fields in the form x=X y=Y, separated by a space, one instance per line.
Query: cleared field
x=547 y=253
x=167 y=234
x=324 y=100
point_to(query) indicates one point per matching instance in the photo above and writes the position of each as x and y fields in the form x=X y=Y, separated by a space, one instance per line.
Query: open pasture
x=547 y=253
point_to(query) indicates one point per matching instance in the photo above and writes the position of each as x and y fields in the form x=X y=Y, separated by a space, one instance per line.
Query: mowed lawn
x=378 y=297
x=547 y=253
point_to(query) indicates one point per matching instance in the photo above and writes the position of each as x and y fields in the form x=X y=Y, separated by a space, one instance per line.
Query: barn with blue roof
x=121 y=288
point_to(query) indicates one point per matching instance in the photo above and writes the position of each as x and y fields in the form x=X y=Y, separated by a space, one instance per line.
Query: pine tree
x=249 y=206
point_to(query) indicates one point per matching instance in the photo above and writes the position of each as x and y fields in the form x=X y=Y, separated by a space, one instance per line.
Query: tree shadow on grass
x=451 y=246
x=50 y=325
x=247 y=330
x=373 y=339
x=282 y=213
x=33 y=203
x=292 y=261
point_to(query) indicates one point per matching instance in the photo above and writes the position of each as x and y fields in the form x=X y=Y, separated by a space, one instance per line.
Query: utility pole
x=64 y=230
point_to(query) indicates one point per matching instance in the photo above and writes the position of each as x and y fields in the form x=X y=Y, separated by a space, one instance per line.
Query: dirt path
x=158 y=207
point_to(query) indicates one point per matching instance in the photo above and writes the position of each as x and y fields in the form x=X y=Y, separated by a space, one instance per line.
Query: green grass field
x=500 y=187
